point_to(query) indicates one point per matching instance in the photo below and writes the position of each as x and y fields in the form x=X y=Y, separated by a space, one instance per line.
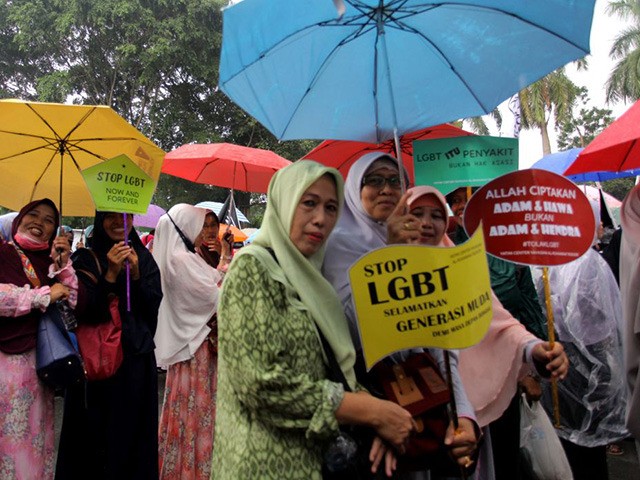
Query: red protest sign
x=533 y=217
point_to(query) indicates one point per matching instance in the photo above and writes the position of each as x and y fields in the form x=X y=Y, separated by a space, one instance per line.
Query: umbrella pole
x=394 y=117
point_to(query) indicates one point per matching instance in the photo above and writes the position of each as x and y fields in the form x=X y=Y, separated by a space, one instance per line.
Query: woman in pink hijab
x=491 y=369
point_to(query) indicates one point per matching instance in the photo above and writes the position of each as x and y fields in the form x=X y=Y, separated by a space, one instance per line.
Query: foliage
x=553 y=96
x=624 y=81
x=154 y=61
x=619 y=187
x=579 y=130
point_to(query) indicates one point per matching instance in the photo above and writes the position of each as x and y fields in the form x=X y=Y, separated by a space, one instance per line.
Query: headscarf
x=421 y=191
x=6 y=222
x=19 y=334
x=356 y=232
x=189 y=285
x=630 y=291
x=301 y=275
x=101 y=243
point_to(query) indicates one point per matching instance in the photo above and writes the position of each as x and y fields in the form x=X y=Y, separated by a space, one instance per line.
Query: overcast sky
x=603 y=31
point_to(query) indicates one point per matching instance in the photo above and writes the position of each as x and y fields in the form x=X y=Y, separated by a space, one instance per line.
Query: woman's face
x=113 y=225
x=39 y=223
x=433 y=219
x=457 y=202
x=380 y=192
x=209 y=232
x=315 y=216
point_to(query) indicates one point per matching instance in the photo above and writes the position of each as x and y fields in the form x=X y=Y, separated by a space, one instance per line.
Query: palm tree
x=624 y=82
x=553 y=96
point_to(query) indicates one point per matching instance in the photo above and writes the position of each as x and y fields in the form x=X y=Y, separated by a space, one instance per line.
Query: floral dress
x=275 y=410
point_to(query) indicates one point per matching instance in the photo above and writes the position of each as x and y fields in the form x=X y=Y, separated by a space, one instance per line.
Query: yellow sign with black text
x=414 y=296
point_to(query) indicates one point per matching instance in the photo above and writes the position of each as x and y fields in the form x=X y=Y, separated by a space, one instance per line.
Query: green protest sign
x=119 y=185
x=450 y=163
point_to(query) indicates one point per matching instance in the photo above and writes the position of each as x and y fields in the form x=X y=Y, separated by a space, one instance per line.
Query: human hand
x=134 y=264
x=402 y=227
x=58 y=291
x=227 y=244
x=554 y=359
x=116 y=257
x=60 y=251
x=462 y=442
x=531 y=388
x=393 y=423
x=380 y=451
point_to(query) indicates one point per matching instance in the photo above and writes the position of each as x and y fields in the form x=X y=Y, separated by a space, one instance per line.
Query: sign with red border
x=532 y=217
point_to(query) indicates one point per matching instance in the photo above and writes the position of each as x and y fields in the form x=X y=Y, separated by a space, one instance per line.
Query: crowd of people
x=265 y=370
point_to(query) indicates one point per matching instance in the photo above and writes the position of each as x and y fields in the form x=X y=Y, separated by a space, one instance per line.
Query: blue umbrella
x=560 y=161
x=215 y=207
x=379 y=68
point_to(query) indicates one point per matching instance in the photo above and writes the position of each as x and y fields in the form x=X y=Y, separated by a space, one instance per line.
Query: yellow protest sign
x=414 y=296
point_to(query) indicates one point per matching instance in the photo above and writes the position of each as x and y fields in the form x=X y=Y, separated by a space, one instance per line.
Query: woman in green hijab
x=277 y=409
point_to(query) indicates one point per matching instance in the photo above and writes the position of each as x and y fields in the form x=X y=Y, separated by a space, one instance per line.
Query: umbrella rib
x=44 y=170
x=24 y=152
x=626 y=155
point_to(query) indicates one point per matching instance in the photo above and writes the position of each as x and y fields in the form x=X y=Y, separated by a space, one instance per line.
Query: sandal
x=614 y=449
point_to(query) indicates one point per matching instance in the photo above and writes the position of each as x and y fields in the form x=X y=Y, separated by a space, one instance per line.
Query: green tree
x=624 y=81
x=552 y=97
x=579 y=130
x=155 y=62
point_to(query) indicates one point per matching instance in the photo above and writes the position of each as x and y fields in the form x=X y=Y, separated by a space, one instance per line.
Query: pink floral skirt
x=27 y=438
x=187 y=419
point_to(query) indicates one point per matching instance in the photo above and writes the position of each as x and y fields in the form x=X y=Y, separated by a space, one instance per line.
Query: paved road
x=622 y=467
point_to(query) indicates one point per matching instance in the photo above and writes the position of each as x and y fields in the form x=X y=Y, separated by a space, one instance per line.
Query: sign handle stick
x=452 y=403
x=126 y=263
x=552 y=339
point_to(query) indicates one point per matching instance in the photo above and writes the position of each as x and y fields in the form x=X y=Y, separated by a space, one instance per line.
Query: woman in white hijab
x=185 y=342
x=630 y=291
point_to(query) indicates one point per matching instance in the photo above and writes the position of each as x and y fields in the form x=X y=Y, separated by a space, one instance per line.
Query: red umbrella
x=341 y=154
x=616 y=149
x=224 y=165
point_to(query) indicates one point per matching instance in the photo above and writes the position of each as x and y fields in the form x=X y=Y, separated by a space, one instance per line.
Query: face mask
x=30 y=244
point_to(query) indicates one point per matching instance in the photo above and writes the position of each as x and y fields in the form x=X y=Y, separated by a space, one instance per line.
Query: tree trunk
x=546 y=144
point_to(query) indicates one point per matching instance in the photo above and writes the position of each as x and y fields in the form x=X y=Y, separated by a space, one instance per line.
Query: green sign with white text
x=119 y=185
x=450 y=163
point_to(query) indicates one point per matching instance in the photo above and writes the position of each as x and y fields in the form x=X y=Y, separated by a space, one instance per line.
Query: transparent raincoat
x=588 y=321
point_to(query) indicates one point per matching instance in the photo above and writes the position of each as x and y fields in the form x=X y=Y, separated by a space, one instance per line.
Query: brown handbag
x=417 y=385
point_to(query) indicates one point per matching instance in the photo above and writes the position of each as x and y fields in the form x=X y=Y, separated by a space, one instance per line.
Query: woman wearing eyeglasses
x=370 y=220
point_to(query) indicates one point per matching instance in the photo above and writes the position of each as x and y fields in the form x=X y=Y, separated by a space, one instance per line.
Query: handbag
x=417 y=385
x=540 y=447
x=100 y=344
x=58 y=363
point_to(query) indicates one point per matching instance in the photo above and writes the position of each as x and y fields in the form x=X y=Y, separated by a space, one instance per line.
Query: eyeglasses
x=378 y=181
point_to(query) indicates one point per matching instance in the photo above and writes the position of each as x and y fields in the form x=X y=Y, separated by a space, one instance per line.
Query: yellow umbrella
x=44 y=146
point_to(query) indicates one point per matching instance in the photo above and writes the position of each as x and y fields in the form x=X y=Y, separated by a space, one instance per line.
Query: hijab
x=356 y=232
x=306 y=288
x=630 y=291
x=6 y=222
x=19 y=334
x=189 y=285
x=421 y=191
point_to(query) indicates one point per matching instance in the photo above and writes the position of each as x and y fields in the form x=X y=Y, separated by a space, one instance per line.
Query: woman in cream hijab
x=277 y=409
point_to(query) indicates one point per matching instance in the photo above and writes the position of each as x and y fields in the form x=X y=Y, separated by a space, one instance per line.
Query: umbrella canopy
x=616 y=149
x=44 y=146
x=559 y=162
x=341 y=154
x=238 y=235
x=390 y=66
x=149 y=219
x=224 y=165
x=215 y=207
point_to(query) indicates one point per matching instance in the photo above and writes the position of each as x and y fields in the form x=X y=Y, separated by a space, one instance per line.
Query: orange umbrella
x=238 y=235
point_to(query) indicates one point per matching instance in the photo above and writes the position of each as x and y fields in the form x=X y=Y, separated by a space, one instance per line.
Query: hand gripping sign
x=414 y=296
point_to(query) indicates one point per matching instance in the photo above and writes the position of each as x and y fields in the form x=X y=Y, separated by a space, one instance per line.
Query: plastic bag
x=540 y=446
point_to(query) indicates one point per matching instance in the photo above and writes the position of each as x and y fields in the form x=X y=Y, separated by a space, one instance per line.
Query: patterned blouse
x=275 y=406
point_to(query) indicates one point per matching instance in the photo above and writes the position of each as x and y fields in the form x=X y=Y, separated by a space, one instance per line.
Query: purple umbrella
x=149 y=219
